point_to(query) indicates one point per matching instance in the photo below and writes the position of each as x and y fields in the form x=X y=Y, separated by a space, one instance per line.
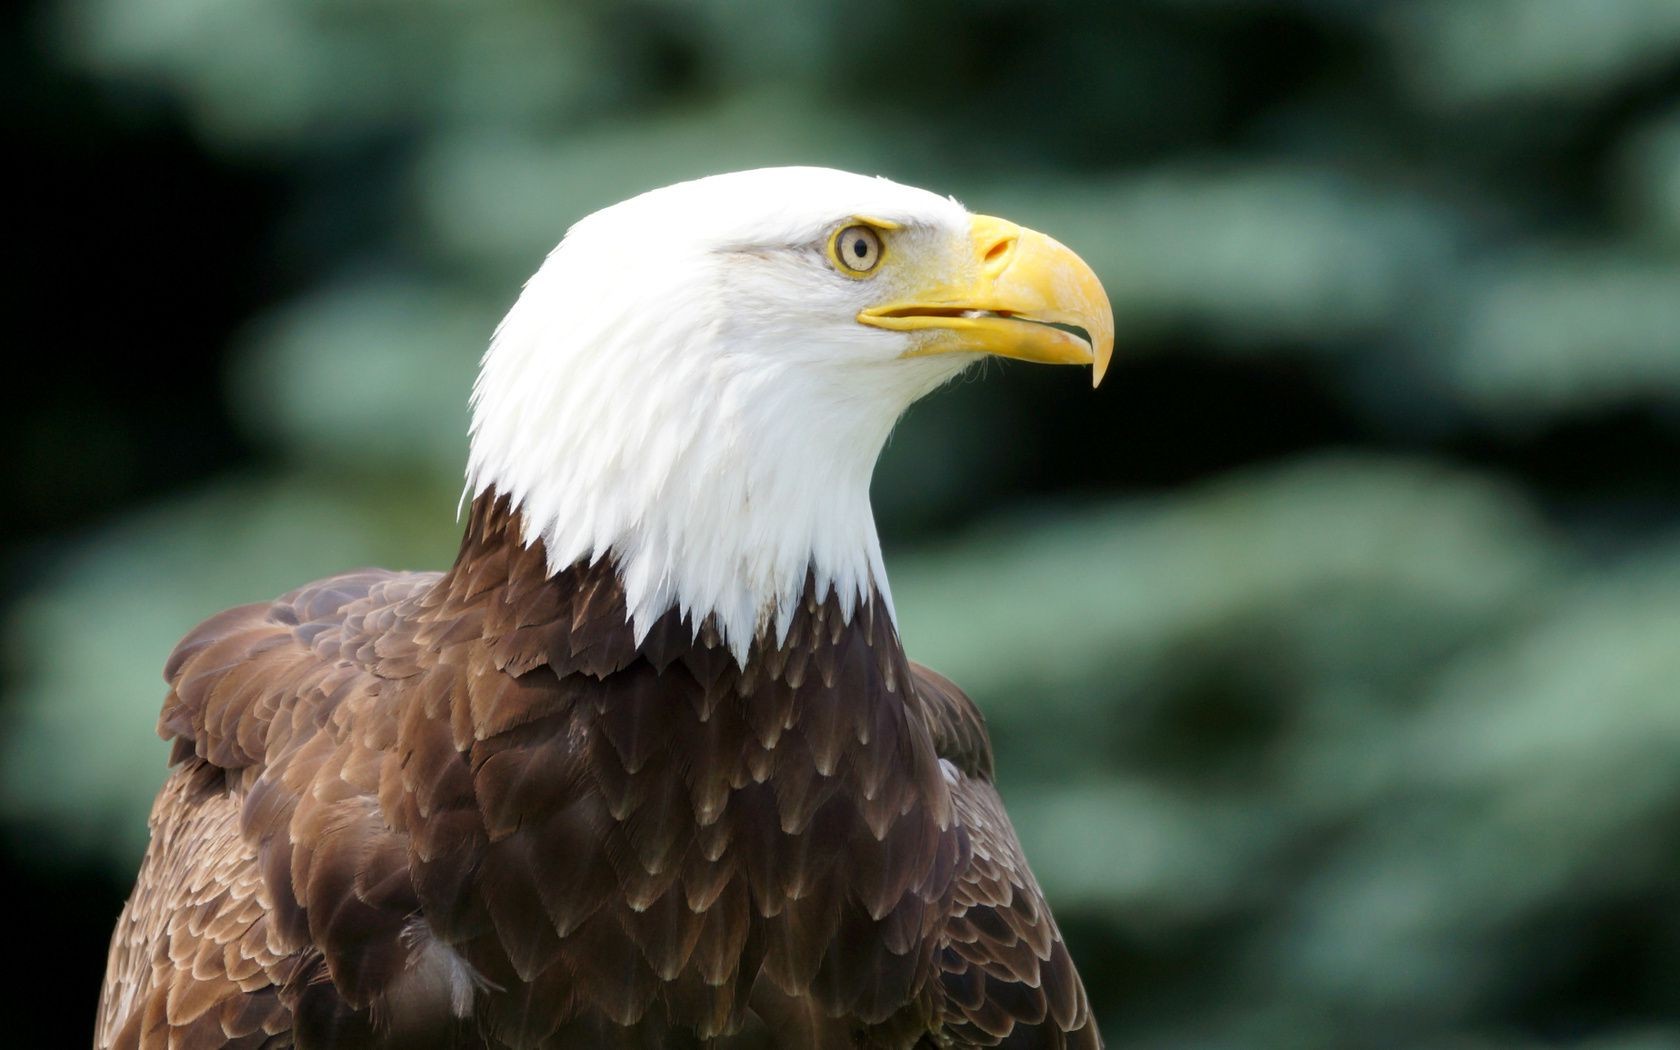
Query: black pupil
x=860 y=247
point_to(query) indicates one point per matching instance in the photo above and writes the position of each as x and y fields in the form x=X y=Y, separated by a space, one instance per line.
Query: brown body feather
x=471 y=810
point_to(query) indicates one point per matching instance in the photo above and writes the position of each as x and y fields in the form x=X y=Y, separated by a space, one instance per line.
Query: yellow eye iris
x=856 y=250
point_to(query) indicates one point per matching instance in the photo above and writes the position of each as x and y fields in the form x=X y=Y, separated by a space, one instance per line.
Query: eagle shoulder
x=238 y=678
x=1005 y=974
x=278 y=713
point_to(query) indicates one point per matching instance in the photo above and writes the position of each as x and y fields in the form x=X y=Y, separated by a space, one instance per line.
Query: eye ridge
x=856 y=249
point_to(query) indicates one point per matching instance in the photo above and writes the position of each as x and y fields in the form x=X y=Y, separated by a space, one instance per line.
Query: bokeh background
x=1332 y=649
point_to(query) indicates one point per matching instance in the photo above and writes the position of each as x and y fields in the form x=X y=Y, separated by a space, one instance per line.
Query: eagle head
x=697 y=381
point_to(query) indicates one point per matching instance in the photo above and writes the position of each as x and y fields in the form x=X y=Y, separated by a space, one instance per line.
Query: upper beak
x=1023 y=284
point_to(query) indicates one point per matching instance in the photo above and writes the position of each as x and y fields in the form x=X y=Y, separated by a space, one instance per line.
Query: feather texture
x=473 y=810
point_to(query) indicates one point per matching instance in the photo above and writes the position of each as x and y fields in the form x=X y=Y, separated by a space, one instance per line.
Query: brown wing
x=192 y=962
x=1007 y=977
x=272 y=805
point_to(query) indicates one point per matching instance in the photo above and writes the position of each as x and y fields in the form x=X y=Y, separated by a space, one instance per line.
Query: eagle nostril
x=997 y=256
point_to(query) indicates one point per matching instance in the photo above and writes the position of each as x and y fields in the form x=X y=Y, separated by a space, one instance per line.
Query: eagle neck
x=579 y=619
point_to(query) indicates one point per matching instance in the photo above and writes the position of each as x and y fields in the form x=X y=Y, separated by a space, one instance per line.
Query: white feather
x=683 y=385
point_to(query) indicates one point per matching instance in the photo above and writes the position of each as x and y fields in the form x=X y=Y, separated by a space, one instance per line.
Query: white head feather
x=683 y=386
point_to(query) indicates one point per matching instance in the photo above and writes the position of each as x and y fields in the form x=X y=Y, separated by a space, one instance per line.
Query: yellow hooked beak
x=1023 y=285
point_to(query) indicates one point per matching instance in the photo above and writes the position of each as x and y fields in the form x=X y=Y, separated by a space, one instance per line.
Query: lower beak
x=1027 y=294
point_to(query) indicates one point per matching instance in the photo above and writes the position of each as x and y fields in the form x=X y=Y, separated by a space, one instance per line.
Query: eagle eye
x=856 y=250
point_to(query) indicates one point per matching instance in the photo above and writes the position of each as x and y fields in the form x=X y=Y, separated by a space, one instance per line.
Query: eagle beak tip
x=1102 y=345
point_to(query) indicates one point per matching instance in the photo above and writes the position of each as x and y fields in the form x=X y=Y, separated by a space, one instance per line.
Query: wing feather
x=271 y=866
x=193 y=964
x=1005 y=973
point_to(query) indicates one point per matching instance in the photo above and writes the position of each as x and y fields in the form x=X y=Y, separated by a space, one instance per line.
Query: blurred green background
x=1332 y=649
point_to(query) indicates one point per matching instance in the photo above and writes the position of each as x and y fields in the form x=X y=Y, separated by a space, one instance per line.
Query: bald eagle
x=647 y=766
